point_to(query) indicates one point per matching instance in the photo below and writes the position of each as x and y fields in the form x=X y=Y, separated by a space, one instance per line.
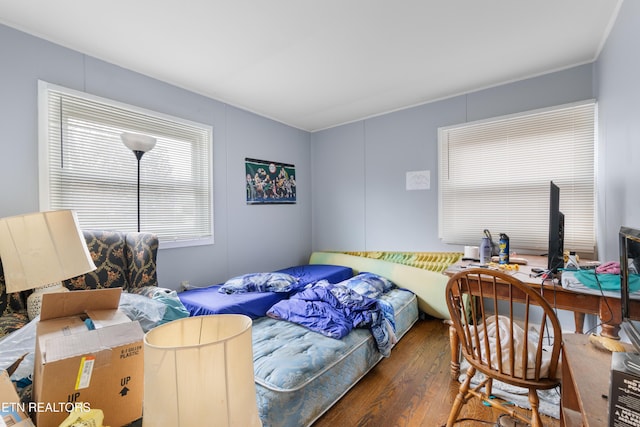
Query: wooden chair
x=478 y=301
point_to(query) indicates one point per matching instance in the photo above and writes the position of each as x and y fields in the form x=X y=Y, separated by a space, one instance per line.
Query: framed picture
x=269 y=182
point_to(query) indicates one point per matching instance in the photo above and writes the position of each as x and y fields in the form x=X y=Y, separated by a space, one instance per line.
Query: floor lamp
x=139 y=144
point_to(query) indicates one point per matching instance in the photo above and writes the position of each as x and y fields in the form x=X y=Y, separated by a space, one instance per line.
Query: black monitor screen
x=629 y=263
x=555 y=252
x=629 y=269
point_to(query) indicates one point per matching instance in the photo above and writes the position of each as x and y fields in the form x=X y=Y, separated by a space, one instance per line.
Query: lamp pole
x=139 y=144
x=139 y=155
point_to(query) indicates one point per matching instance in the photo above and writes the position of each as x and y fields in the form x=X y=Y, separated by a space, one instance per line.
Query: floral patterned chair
x=125 y=260
x=13 y=308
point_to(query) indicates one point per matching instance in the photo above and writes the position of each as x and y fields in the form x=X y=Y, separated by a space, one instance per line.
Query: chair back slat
x=525 y=340
x=498 y=332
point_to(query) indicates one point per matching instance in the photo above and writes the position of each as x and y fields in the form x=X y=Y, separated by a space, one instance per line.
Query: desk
x=607 y=308
x=586 y=372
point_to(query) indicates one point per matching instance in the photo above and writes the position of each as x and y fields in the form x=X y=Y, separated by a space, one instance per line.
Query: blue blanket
x=334 y=310
x=606 y=282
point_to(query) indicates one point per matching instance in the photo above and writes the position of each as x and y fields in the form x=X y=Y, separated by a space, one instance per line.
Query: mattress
x=300 y=374
x=204 y=301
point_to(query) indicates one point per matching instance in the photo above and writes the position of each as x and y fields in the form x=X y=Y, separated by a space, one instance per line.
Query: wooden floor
x=411 y=388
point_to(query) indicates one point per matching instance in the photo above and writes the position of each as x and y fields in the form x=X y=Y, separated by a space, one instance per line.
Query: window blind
x=85 y=167
x=495 y=174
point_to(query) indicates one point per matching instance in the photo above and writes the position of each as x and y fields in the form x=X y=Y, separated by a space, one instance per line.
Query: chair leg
x=488 y=388
x=454 y=343
x=536 y=421
x=461 y=397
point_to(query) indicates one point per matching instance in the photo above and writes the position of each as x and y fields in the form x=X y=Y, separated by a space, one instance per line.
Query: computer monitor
x=629 y=269
x=555 y=252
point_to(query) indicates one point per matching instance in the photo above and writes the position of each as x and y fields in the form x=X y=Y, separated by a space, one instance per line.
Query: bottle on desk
x=503 y=249
x=485 y=250
x=572 y=262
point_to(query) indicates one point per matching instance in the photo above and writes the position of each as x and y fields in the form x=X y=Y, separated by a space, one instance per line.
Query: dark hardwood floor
x=411 y=388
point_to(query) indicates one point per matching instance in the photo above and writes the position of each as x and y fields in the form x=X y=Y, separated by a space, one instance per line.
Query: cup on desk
x=471 y=252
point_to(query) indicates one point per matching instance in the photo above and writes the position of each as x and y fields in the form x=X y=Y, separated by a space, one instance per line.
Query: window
x=494 y=174
x=84 y=166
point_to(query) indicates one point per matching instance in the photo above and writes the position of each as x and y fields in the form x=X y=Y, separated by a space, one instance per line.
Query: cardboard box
x=12 y=412
x=624 y=391
x=79 y=366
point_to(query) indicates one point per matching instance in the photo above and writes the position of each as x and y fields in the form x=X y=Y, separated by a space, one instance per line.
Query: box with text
x=624 y=392
x=88 y=355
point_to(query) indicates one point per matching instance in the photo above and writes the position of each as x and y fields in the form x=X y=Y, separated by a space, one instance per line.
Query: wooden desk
x=586 y=372
x=607 y=308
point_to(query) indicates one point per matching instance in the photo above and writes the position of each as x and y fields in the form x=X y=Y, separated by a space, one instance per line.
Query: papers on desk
x=571 y=282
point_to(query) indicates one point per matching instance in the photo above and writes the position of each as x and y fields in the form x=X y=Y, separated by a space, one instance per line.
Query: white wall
x=367 y=207
x=247 y=238
x=618 y=76
x=359 y=197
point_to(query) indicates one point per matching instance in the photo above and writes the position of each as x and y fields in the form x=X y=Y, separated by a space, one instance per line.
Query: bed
x=209 y=300
x=299 y=373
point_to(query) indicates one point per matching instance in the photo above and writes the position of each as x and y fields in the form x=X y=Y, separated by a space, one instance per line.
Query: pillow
x=259 y=282
x=369 y=284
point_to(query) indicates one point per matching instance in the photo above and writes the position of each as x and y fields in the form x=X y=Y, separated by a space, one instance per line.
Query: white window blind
x=495 y=174
x=84 y=166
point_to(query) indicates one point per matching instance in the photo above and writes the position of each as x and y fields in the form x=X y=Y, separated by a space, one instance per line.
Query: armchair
x=123 y=259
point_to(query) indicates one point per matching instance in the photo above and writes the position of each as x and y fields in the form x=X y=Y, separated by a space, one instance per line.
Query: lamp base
x=34 y=302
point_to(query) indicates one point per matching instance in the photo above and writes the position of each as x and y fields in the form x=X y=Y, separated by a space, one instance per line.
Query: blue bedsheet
x=334 y=310
x=203 y=301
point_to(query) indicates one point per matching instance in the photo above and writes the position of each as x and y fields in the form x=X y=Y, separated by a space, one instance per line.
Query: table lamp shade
x=199 y=371
x=42 y=248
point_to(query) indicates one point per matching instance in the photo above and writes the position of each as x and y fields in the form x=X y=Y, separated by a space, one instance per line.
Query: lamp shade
x=138 y=142
x=42 y=248
x=199 y=371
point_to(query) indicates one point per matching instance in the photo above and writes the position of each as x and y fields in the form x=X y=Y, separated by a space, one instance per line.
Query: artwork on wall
x=270 y=182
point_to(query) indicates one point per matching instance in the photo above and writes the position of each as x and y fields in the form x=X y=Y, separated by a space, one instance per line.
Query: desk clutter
x=512 y=260
x=590 y=281
x=504 y=267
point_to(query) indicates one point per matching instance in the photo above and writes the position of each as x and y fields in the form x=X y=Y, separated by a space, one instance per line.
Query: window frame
x=536 y=224
x=203 y=233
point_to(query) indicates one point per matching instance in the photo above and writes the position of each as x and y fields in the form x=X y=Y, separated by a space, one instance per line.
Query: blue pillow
x=369 y=284
x=259 y=282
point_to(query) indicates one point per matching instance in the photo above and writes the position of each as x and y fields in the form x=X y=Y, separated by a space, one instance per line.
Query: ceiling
x=315 y=64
